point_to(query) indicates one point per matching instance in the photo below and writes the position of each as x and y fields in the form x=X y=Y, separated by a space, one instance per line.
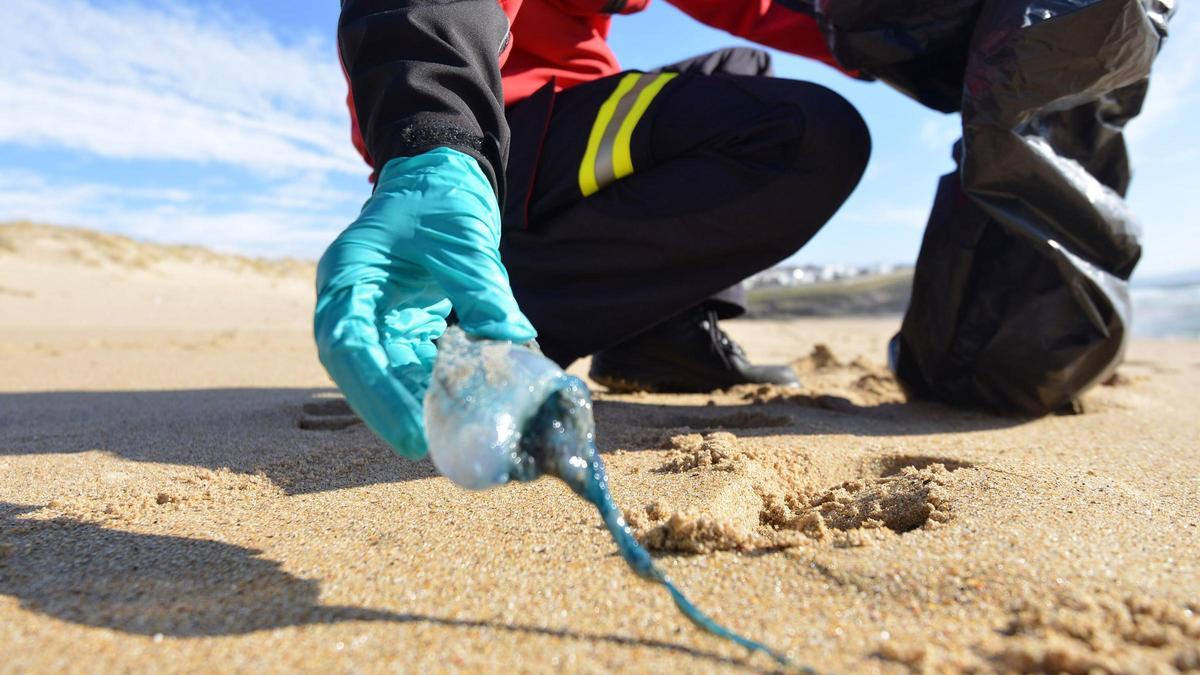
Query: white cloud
x=297 y=218
x=911 y=216
x=1174 y=84
x=152 y=81
x=266 y=233
x=309 y=192
x=160 y=82
x=939 y=132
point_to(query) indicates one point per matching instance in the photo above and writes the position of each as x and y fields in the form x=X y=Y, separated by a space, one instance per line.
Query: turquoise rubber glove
x=427 y=240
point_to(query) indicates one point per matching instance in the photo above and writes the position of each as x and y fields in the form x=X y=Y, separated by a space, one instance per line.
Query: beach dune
x=181 y=489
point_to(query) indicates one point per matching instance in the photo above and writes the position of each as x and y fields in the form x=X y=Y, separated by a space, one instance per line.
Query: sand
x=180 y=490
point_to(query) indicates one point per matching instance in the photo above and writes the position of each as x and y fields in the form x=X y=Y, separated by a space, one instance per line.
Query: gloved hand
x=427 y=239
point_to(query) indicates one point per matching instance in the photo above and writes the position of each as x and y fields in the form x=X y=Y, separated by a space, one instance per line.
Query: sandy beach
x=182 y=491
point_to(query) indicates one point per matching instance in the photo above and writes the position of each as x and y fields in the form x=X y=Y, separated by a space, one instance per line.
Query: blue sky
x=223 y=123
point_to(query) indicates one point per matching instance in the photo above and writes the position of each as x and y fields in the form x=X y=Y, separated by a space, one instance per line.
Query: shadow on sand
x=143 y=584
x=248 y=431
x=618 y=421
x=259 y=431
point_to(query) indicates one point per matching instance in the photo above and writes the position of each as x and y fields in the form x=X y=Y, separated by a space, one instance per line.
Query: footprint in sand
x=902 y=502
x=1090 y=633
x=328 y=415
x=896 y=464
x=766 y=501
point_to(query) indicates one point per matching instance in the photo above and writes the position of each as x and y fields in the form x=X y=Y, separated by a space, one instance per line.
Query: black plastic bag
x=918 y=46
x=1020 y=296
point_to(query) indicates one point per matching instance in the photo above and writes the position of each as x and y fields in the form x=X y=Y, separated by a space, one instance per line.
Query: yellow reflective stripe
x=622 y=151
x=587 y=169
x=605 y=171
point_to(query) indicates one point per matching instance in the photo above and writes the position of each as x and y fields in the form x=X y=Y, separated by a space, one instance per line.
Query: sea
x=1166 y=311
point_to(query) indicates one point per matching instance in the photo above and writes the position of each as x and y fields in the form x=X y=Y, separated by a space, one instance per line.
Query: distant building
x=798 y=275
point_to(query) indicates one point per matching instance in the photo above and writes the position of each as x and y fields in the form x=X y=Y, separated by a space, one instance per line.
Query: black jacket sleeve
x=425 y=74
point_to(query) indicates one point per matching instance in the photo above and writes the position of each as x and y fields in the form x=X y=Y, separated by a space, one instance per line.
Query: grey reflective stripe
x=605 y=172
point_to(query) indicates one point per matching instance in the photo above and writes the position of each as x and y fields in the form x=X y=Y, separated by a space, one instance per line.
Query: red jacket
x=567 y=40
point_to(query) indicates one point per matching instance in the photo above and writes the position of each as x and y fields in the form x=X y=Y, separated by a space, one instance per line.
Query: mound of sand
x=181 y=487
x=52 y=277
x=28 y=242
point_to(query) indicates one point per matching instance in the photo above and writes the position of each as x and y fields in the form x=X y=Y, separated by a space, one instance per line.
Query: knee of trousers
x=829 y=162
x=835 y=135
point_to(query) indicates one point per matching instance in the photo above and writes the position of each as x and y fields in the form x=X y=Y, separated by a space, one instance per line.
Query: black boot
x=689 y=353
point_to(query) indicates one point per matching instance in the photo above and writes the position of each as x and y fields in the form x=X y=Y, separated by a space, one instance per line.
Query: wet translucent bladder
x=498 y=412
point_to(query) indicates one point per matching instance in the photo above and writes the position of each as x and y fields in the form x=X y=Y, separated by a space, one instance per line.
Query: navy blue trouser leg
x=731 y=174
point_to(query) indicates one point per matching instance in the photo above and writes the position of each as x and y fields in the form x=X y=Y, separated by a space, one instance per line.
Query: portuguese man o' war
x=496 y=412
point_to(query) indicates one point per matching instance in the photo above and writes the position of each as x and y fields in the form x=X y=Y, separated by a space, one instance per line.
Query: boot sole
x=621 y=385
